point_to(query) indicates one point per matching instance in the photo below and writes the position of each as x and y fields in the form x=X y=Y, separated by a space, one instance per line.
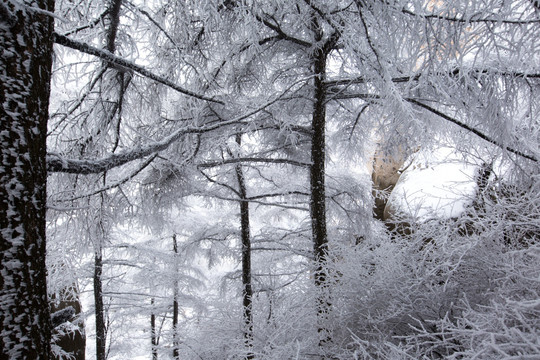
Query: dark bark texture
x=101 y=329
x=176 y=342
x=247 y=291
x=72 y=342
x=153 y=332
x=317 y=182
x=25 y=71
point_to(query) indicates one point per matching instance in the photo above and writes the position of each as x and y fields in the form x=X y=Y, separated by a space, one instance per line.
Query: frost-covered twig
x=106 y=55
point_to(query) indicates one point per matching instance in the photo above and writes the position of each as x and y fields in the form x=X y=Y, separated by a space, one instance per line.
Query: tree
x=25 y=70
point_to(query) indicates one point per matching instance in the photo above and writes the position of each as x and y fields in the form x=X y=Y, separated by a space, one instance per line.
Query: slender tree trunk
x=101 y=331
x=317 y=183
x=25 y=71
x=101 y=326
x=176 y=353
x=247 y=291
x=114 y=21
x=153 y=332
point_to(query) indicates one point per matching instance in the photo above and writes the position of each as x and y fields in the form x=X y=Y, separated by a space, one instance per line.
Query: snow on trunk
x=25 y=69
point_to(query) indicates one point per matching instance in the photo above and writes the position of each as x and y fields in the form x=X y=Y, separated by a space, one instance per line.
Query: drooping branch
x=154 y=22
x=79 y=102
x=375 y=98
x=471 y=129
x=111 y=58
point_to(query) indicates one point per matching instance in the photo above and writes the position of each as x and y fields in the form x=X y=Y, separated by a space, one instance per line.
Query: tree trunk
x=101 y=326
x=317 y=183
x=25 y=71
x=101 y=331
x=73 y=342
x=153 y=332
x=247 y=291
x=176 y=354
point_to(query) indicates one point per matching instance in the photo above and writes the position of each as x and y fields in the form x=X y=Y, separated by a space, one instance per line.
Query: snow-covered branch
x=454 y=72
x=471 y=19
x=471 y=129
x=211 y=164
x=56 y=163
x=106 y=55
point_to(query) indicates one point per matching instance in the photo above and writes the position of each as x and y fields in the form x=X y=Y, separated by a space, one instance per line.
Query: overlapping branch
x=57 y=163
x=116 y=60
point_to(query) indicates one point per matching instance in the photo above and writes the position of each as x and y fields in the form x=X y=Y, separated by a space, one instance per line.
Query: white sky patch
x=437 y=184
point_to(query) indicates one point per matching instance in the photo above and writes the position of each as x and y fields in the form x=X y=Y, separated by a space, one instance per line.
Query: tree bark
x=101 y=326
x=101 y=331
x=247 y=291
x=25 y=72
x=153 y=332
x=176 y=353
x=317 y=182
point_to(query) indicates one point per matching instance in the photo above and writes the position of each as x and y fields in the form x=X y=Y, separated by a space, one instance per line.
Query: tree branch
x=211 y=164
x=106 y=55
x=227 y=186
x=470 y=129
x=403 y=79
x=115 y=184
x=471 y=19
x=442 y=115
x=89 y=25
x=56 y=163
x=255 y=197
x=277 y=29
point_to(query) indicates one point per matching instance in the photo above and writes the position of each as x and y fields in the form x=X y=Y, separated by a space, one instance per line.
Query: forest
x=270 y=179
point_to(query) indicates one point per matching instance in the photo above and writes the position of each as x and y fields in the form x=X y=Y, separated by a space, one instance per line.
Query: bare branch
x=281 y=34
x=227 y=186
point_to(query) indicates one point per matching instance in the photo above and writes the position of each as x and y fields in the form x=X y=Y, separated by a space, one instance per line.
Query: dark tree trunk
x=101 y=330
x=176 y=353
x=114 y=21
x=72 y=342
x=317 y=182
x=25 y=71
x=153 y=332
x=247 y=291
x=101 y=326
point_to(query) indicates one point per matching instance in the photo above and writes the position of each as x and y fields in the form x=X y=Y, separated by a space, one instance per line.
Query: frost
x=8 y=53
